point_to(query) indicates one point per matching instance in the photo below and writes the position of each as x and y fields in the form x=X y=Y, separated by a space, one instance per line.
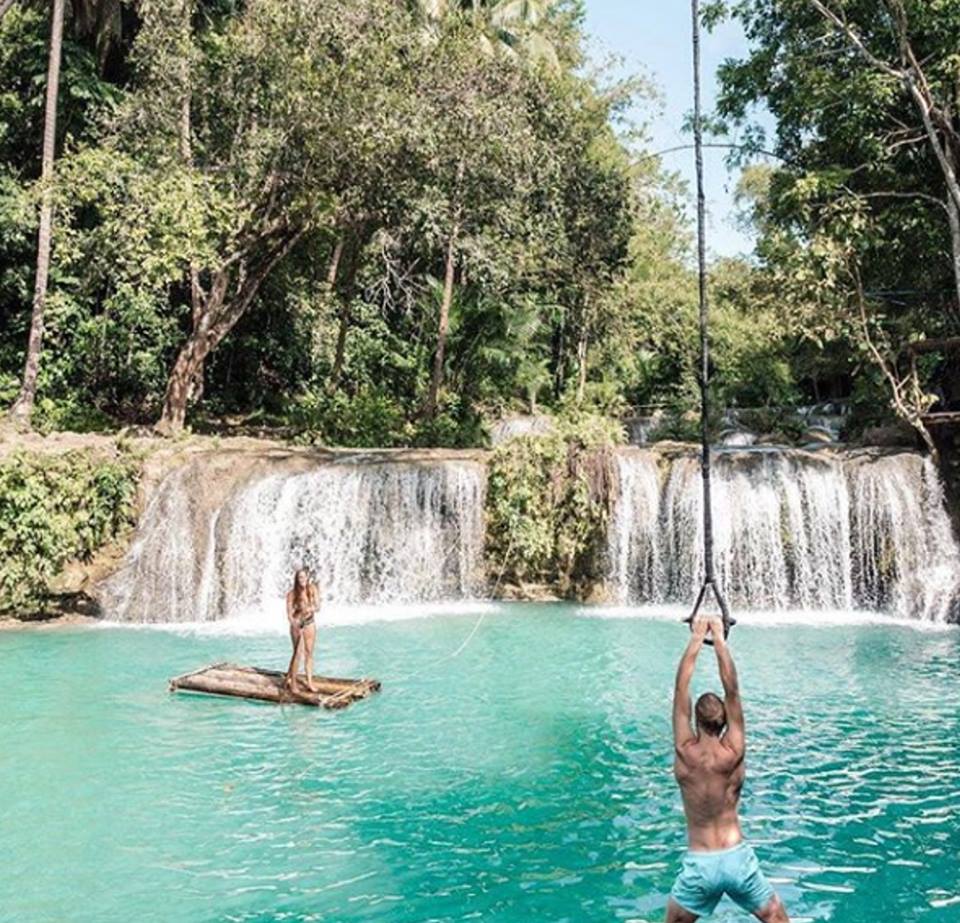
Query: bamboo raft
x=270 y=686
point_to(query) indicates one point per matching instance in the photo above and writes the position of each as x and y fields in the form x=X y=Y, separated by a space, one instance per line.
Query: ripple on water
x=528 y=778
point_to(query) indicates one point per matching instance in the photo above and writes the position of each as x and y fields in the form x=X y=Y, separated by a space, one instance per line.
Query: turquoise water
x=528 y=779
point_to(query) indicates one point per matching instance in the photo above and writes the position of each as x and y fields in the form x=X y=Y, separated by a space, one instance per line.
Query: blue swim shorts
x=707 y=876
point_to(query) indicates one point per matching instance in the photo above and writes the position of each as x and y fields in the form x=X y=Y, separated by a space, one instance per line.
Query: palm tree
x=22 y=407
x=515 y=23
x=98 y=19
x=511 y=24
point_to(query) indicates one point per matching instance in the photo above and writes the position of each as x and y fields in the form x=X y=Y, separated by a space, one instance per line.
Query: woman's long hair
x=304 y=596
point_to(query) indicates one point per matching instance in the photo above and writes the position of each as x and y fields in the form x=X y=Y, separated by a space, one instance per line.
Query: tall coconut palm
x=23 y=406
x=99 y=20
x=515 y=23
x=511 y=25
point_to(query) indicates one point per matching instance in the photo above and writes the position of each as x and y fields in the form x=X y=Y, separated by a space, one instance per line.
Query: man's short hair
x=711 y=714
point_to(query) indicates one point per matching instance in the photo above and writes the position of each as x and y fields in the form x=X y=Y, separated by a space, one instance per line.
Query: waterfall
x=904 y=555
x=791 y=530
x=222 y=534
x=369 y=531
x=636 y=550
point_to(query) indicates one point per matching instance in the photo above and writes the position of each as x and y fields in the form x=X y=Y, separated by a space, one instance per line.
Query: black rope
x=709 y=580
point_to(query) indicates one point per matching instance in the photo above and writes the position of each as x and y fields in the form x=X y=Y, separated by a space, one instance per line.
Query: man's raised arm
x=735 y=738
x=682 y=705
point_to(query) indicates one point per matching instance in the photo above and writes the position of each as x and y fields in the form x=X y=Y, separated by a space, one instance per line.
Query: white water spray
x=370 y=532
x=792 y=530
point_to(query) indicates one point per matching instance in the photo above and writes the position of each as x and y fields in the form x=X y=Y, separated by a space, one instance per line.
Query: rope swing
x=709 y=579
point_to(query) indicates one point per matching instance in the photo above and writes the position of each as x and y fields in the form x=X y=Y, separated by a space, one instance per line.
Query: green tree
x=265 y=127
x=476 y=150
x=517 y=27
x=95 y=20
x=864 y=97
x=315 y=209
x=22 y=407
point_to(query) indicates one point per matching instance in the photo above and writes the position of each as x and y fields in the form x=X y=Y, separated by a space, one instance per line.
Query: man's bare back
x=710 y=769
x=710 y=776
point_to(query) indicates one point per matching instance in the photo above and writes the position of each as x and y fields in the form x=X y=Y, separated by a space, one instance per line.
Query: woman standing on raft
x=302 y=603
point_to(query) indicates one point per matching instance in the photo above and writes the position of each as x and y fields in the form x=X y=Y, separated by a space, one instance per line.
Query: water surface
x=526 y=779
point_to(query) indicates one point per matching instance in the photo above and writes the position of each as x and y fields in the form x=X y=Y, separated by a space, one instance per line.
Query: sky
x=653 y=37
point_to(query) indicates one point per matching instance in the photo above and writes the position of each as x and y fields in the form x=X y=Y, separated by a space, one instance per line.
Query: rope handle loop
x=728 y=620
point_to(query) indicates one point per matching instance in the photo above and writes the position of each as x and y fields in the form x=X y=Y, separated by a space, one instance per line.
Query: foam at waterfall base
x=271 y=621
x=765 y=618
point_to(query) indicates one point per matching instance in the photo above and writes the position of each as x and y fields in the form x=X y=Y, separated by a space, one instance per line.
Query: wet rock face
x=891 y=436
x=947 y=440
x=818 y=435
x=953 y=614
x=832 y=530
x=642 y=430
x=737 y=438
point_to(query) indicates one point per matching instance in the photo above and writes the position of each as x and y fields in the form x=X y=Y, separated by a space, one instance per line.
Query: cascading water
x=636 y=549
x=792 y=530
x=905 y=557
x=370 y=532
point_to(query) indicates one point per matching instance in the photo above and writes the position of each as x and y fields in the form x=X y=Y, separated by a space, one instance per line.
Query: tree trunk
x=354 y=252
x=5 y=6
x=559 y=348
x=186 y=146
x=186 y=150
x=188 y=367
x=581 y=366
x=23 y=406
x=436 y=379
x=341 y=346
x=186 y=153
x=334 y=267
x=217 y=318
x=953 y=213
x=343 y=322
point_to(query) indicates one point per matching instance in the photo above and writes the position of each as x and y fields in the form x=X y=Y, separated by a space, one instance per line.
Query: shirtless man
x=709 y=768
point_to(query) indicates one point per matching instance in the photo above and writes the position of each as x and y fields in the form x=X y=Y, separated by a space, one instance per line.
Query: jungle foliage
x=548 y=504
x=55 y=509
x=376 y=222
x=858 y=217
